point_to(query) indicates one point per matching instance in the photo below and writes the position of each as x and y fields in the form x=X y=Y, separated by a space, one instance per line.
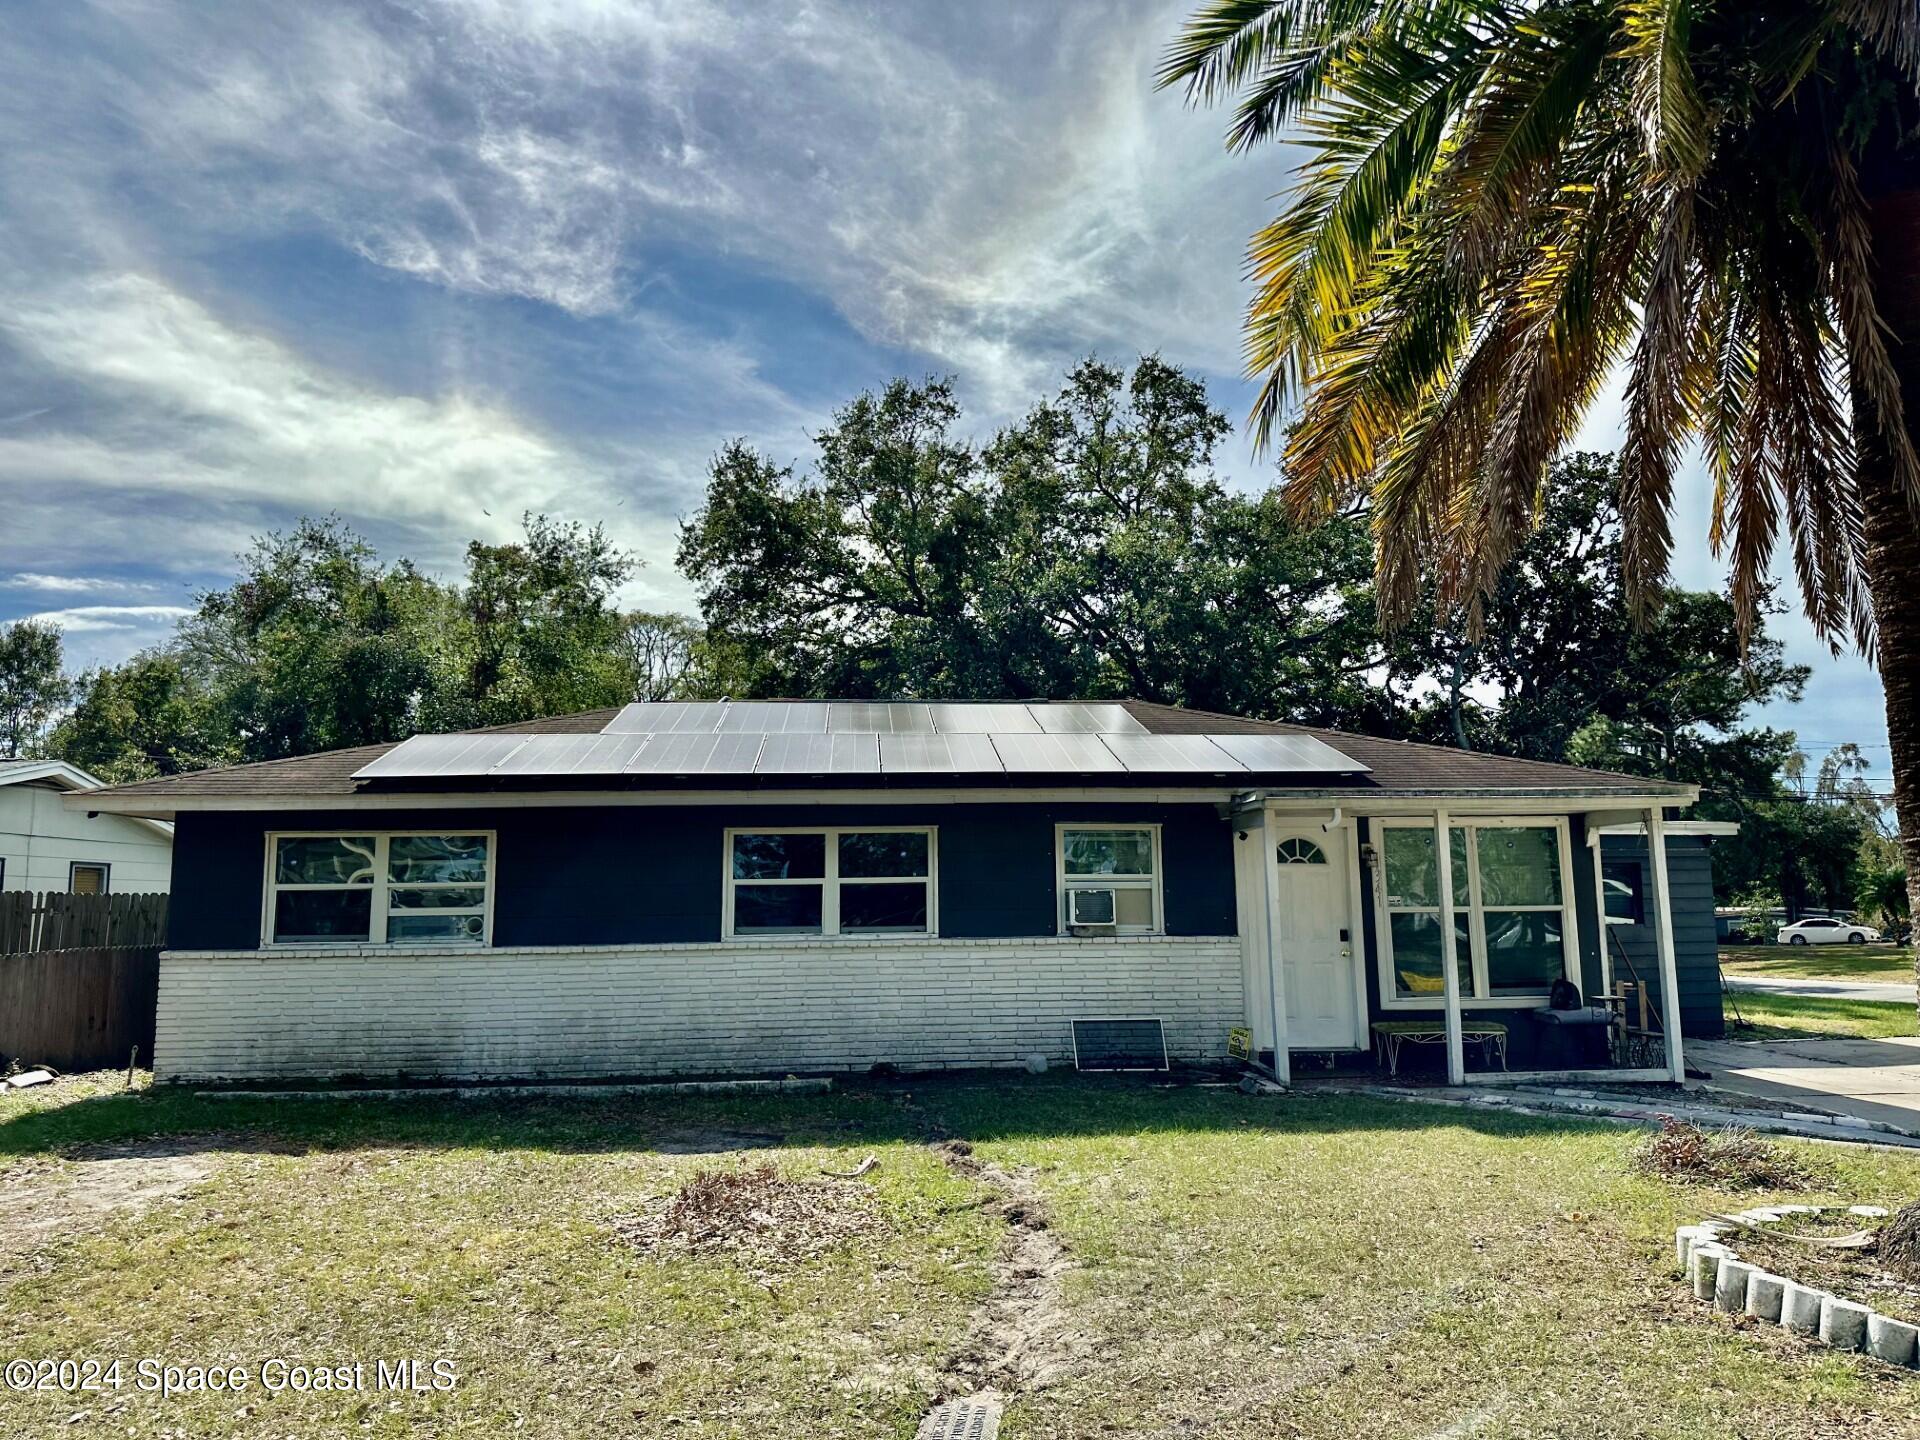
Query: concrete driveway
x=1894 y=992
x=1870 y=1079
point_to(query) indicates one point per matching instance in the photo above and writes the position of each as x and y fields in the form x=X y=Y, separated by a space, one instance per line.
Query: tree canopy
x=32 y=685
x=320 y=644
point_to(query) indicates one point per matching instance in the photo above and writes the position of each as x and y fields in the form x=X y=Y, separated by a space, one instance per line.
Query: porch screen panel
x=1510 y=910
x=1413 y=912
x=1521 y=908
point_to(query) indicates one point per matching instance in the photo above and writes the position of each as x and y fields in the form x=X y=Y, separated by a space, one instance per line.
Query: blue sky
x=430 y=265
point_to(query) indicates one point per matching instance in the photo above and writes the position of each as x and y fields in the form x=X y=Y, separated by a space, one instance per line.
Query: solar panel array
x=873 y=717
x=846 y=738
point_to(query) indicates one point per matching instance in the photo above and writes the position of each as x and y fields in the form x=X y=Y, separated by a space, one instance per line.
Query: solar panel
x=572 y=755
x=1069 y=754
x=939 y=754
x=682 y=754
x=667 y=717
x=983 y=718
x=426 y=756
x=1079 y=718
x=1299 y=754
x=1169 y=753
x=849 y=754
x=776 y=717
x=879 y=718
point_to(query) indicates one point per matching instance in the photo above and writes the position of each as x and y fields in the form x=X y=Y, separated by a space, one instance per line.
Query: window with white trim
x=1109 y=876
x=391 y=888
x=1621 y=892
x=871 y=880
x=1513 y=932
x=87 y=877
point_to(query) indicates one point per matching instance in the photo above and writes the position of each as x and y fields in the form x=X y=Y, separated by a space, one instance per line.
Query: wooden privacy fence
x=78 y=977
x=56 y=921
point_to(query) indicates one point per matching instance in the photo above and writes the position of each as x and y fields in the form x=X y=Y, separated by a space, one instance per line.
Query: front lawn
x=1890 y=963
x=1242 y=1266
x=1783 y=1017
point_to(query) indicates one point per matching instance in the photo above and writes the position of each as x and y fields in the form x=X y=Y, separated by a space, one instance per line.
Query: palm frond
x=1659 y=418
x=1664 y=92
x=1870 y=364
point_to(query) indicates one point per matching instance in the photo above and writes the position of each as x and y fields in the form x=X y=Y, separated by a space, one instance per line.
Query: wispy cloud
x=996 y=188
x=113 y=617
x=74 y=584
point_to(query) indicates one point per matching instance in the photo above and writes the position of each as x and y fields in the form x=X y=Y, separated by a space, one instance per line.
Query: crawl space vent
x=1119 y=1044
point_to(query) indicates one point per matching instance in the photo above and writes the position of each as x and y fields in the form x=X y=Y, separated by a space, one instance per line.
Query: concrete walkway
x=1895 y=992
x=1875 y=1080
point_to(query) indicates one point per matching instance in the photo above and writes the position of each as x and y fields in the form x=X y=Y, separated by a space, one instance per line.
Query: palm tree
x=1504 y=201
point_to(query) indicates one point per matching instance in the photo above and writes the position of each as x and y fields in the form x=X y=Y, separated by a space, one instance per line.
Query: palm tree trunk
x=1892 y=527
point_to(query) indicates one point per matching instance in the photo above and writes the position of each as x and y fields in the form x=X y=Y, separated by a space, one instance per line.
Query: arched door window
x=1298 y=850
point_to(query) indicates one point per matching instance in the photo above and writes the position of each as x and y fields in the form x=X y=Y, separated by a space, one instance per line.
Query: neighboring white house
x=46 y=846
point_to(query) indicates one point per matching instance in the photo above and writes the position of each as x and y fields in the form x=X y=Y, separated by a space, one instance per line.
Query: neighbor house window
x=87 y=878
x=830 y=882
x=378 y=889
x=1511 y=932
x=1620 y=882
x=1109 y=875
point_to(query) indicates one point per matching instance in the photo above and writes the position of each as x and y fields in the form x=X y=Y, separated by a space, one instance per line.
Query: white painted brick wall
x=748 y=1006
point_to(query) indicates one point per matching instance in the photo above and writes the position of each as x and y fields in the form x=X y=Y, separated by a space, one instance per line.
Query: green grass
x=1778 y=1017
x=1892 y=963
x=1246 y=1266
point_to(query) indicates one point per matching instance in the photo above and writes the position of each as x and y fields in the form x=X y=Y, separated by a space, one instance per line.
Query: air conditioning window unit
x=1090 y=907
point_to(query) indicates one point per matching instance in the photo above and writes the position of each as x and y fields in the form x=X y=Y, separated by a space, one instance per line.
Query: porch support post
x=1449 y=955
x=1663 y=934
x=1597 y=843
x=1276 y=967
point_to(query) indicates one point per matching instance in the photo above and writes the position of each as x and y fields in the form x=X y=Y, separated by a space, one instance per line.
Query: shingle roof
x=1393 y=765
x=1403 y=764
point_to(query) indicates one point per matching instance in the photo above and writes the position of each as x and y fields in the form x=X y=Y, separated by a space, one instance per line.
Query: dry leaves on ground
x=755 y=1214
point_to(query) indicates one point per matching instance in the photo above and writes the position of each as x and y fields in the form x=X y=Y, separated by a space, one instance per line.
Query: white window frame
x=830 y=883
x=1478 y=999
x=1155 y=882
x=75 y=866
x=377 y=921
x=1639 y=891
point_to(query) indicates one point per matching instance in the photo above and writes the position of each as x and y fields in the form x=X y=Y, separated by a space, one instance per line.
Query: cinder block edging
x=1717 y=1276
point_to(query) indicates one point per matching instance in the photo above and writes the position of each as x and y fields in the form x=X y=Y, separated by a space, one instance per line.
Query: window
x=1511 y=939
x=1620 y=886
x=87 y=878
x=830 y=882
x=378 y=889
x=1298 y=850
x=1110 y=875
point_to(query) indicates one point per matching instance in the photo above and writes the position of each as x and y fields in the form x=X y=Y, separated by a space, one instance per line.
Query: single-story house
x=49 y=846
x=689 y=888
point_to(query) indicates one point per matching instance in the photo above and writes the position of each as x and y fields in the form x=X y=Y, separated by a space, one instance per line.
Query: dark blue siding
x=636 y=875
x=1695 y=947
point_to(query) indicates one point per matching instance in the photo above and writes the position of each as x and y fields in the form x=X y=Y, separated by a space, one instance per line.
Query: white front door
x=1316 y=944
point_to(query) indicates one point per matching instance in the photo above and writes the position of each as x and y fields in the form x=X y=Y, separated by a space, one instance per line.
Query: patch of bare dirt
x=44 y=1197
x=754 y=1214
x=1020 y=1339
x=708 y=1141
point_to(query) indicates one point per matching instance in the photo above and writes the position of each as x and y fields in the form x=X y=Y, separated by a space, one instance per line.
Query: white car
x=1824 y=930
